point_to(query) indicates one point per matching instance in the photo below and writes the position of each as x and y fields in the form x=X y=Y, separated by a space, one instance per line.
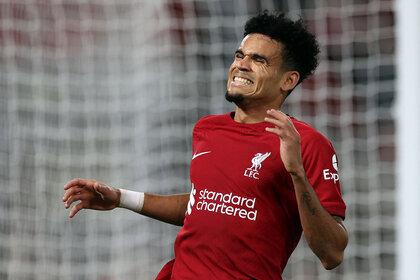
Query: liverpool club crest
x=252 y=172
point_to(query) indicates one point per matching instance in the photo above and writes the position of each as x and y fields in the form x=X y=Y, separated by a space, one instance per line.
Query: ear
x=289 y=80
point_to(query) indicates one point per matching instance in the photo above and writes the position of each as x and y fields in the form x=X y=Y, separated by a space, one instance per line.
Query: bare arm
x=169 y=209
x=99 y=196
x=326 y=235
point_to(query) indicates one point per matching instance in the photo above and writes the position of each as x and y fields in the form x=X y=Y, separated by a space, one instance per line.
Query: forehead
x=260 y=44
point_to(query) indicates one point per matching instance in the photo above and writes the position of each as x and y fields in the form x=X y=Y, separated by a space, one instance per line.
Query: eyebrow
x=254 y=56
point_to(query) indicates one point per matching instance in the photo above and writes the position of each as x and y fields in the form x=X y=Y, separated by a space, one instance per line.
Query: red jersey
x=242 y=220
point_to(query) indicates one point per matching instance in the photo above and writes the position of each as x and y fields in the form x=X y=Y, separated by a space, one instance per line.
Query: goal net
x=111 y=90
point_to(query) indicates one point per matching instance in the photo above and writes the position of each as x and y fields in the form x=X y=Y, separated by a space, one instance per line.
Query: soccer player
x=259 y=177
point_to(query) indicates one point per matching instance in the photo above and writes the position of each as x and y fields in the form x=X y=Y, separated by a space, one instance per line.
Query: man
x=259 y=177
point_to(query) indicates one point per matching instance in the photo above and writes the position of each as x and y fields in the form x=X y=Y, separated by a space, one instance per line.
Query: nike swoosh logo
x=200 y=154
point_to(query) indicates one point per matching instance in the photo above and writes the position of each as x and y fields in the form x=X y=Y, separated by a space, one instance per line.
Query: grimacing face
x=256 y=71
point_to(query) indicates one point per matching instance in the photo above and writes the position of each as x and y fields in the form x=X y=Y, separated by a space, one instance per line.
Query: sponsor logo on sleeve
x=331 y=174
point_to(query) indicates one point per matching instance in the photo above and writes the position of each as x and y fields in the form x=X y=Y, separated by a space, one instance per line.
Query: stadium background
x=111 y=90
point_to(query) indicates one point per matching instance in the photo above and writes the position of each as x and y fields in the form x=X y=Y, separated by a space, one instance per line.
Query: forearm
x=170 y=209
x=325 y=236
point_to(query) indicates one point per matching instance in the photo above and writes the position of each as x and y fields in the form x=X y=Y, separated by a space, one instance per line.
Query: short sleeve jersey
x=242 y=219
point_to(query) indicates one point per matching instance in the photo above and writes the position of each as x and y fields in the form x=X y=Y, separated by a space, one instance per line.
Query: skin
x=326 y=234
x=99 y=196
x=258 y=59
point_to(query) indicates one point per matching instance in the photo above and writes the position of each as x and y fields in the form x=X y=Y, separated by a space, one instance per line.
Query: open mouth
x=242 y=80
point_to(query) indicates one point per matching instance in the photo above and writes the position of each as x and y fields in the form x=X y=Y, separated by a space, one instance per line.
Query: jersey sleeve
x=321 y=166
x=199 y=132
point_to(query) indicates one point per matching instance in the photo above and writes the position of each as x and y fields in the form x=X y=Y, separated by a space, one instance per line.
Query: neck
x=253 y=114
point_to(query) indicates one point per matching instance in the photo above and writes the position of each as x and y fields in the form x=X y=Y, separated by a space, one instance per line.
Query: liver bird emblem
x=258 y=159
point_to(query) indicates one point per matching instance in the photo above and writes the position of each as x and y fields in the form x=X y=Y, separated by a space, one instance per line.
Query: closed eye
x=254 y=56
x=239 y=54
x=259 y=58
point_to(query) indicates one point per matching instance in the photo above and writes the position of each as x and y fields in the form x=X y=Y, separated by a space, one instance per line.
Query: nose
x=243 y=64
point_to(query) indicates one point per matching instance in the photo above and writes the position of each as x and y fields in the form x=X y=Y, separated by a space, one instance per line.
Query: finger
x=71 y=192
x=276 y=117
x=274 y=130
x=282 y=132
x=74 y=198
x=67 y=203
x=280 y=119
x=76 y=182
x=276 y=122
x=76 y=208
x=277 y=114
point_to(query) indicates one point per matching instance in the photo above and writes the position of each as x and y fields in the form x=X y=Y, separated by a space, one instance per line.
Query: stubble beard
x=236 y=98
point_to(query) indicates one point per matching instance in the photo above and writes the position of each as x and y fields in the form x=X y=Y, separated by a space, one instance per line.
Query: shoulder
x=309 y=135
x=212 y=120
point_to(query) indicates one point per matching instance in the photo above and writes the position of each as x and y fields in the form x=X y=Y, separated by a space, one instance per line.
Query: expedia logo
x=331 y=175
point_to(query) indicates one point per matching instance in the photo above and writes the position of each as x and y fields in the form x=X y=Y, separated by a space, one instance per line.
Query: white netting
x=111 y=89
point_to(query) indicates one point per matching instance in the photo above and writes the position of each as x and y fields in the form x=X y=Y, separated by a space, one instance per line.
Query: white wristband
x=132 y=200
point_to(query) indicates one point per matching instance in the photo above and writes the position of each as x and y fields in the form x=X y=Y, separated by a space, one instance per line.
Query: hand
x=92 y=195
x=289 y=140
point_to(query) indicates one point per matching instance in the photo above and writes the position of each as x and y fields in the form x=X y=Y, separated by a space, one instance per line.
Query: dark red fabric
x=166 y=271
x=242 y=220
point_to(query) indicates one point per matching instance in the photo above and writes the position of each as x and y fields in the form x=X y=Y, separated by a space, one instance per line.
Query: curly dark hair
x=300 y=48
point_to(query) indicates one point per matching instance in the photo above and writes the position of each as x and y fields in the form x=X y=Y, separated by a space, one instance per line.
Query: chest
x=248 y=164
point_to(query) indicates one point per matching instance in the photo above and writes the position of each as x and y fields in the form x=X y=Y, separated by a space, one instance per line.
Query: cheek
x=265 y=83
x=229 y=77
x=268 y=77
x=231 y=70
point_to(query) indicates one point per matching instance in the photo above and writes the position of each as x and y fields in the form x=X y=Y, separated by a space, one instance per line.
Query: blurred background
x=111 y=90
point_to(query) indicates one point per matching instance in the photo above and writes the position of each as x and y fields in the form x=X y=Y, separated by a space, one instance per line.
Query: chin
x=234 y=97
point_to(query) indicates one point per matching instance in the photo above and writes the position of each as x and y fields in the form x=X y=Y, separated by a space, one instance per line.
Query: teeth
x=242 y=80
